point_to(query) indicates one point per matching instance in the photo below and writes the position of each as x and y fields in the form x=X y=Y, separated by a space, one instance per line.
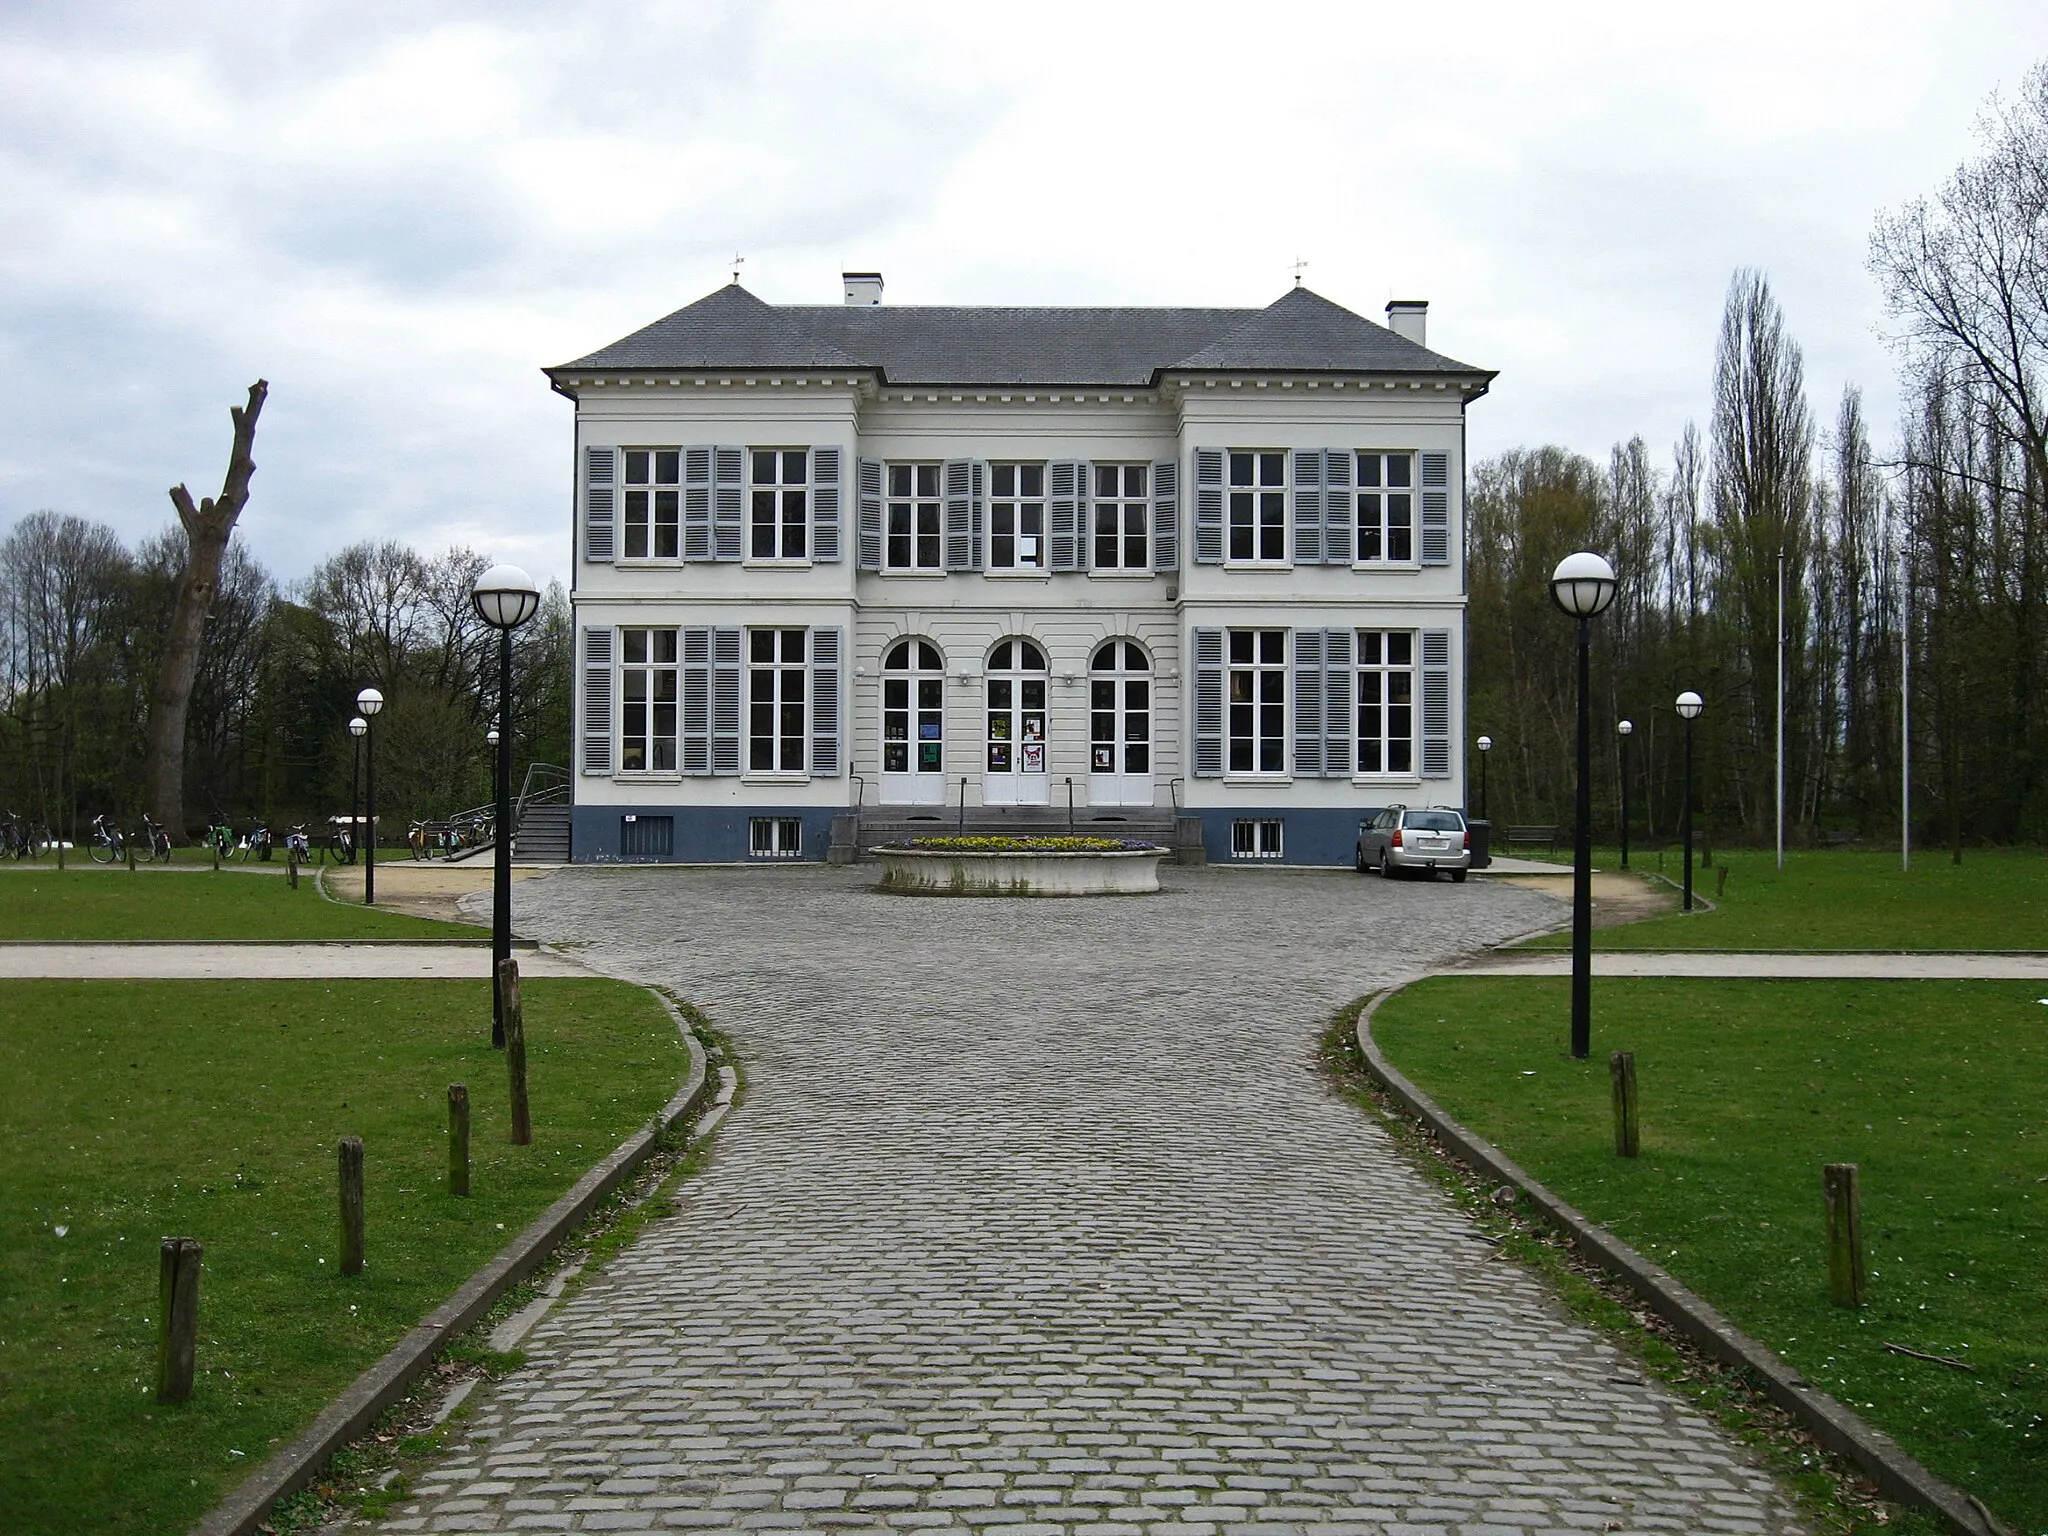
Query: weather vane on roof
x=737 y=261
x=1300 y=266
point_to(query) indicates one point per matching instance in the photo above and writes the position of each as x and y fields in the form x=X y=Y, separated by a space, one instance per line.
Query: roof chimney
x=1405 y=317
x=862 y=287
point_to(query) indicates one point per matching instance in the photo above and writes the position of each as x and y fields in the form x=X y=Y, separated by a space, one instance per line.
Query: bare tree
x=208 y=527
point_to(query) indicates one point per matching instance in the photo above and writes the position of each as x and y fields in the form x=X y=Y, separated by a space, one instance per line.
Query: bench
x=1529 y=837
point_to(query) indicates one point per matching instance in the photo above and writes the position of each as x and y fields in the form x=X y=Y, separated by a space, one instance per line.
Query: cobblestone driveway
x=1038 y=1216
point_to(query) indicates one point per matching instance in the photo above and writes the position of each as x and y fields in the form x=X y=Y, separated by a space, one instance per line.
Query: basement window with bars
x=775 y=837
x=654 y=503
x=1257 y=838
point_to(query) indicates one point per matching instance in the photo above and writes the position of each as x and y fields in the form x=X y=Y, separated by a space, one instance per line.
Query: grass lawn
x=38 y=902
x=130 y=1111
x=1935 y=1089
x=1842 y=899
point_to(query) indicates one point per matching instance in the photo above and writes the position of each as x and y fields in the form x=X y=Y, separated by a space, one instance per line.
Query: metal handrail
x=1173 y=789
x=555 y=787
x=1070 y=802
x=961 y=825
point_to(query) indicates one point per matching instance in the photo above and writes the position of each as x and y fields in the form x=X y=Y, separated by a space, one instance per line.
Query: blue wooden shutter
x=1436 y=703
x=728 y=503
x=1166 y=515
x=825 y=751
x=1308 y=699
x=600 y=502
x=1208 y=703
x=1436 y=510
x=1067 y=513
x=696 y=503
x=1340 y=750
x=1208 y=506
x=597 y=699
x=824 y=505
x=727 y=647
x=868 y=536
x=1308 y=508
x=696 y=700
x=965 y=482
x=1340 y=507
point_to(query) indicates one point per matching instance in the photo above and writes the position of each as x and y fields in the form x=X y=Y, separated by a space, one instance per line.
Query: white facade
x=1222 y=704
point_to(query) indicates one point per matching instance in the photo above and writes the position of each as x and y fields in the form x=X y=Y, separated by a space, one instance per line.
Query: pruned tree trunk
x=208 y=527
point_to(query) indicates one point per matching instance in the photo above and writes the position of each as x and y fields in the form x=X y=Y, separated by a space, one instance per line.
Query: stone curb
x=1897 y=1475
x=479 y=943
x=384 y=1383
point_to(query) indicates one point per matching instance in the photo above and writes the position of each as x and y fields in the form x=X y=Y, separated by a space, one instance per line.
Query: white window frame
x=1265 y=503
x=775 y=673
x=916 y=503
x=1380 y=676
x=1264 y=676
x=912 y=677
x=1129 y=515
x=650 y=492
x=1258 y=837
x=778 y=495
x=1376 y=497
x=650 y=671
x=1016 y=506
x=775 y=837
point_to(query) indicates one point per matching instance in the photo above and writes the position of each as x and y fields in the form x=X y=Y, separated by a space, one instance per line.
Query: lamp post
x=1583 y=585
x=356 y=728
x=505 y=598
x=1485 y=746
x=1625 y=729
x=369 y=701
x=1689 y=706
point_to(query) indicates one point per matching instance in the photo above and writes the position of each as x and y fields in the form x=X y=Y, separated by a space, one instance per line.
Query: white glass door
x=914 y=725
x=1120 y=725
x=1014 y=756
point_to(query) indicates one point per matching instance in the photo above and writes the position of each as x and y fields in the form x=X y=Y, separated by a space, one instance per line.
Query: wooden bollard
x=351 y=1205
x=1845 y=1235
x=128 y=847
x=1622 y=1066
x=458 y=1139
x=291 y=868
x=177 y=1317
x=214 y=843
x=515 y=1049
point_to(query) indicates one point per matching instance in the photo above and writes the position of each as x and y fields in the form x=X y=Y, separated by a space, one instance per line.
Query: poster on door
x=1034 y=757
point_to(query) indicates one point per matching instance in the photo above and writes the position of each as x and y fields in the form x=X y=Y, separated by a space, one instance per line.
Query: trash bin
x=1482 y=842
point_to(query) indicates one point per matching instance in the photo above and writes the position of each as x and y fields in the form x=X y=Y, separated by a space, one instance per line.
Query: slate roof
x=960 y=345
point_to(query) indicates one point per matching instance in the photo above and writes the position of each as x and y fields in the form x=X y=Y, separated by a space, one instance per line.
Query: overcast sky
x=398 y=214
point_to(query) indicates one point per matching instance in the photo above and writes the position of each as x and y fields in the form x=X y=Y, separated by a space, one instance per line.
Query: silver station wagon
x=1398 y=840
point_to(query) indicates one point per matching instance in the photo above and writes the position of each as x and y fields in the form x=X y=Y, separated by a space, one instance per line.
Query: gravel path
x=1038 y=1216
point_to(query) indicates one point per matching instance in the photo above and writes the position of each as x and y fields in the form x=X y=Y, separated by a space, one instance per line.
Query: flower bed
x=1020 y=866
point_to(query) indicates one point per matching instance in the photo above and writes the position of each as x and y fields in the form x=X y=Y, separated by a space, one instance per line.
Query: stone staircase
x=542 y=836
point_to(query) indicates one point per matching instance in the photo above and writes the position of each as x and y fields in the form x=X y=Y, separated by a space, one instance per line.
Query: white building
x=960 y=563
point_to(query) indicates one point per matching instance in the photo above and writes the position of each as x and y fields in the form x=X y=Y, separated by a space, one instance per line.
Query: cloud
x=398 y=215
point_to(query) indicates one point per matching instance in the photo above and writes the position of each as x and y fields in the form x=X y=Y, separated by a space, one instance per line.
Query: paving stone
x=1038 y=1220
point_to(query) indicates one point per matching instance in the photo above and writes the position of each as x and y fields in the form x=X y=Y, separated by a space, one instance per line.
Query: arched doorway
x=913 y=724
x=1120 y=724
x=1015 y=735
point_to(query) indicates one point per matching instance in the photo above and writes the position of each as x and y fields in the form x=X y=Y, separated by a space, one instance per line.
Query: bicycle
x=22 y=840
x=156 y=840
x=108 y=846
x=257 y=845
x=416 y=838
x=344 y=846
x=221 y=837
x=296 y=845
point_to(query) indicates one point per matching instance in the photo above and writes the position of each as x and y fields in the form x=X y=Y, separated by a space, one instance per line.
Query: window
x=913 y=518
x=1120 y=709
x=654 y=503
x=1258 y=506
x=781 y=504
x=1258 y=701
x=1256 y=839
x=913 y=709
x=775 y=700
x=1016 y=708
x=1386 y=701
x=1016 y=517
x=647 y=837
x=1386 y=507
x=1122 y=511
x=775 y=837
x=647 y=687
